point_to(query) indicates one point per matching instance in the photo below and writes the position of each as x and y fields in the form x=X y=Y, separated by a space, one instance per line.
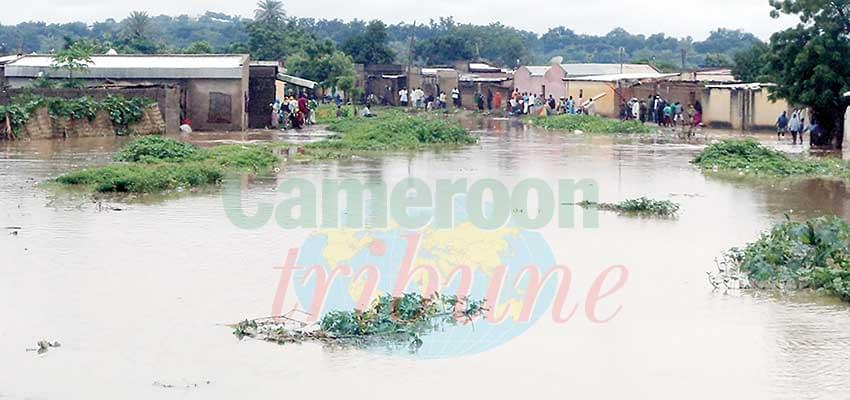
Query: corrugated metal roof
x=305 y=83
x=742 y=86
x=8 y=59
x=621 y=77
x=606 y=69
x=537 y=70
x=138 y=67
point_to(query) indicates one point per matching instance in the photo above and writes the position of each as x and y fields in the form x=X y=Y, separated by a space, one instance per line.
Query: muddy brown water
x=138 y=298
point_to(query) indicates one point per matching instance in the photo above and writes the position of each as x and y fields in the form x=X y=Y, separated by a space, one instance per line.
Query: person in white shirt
x=402 y=97
x=456 y=97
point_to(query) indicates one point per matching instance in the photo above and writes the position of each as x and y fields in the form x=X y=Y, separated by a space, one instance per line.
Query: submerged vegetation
x=155 y=164
x=748 y=157
x=639 y=206
x=590 y=124
x=814 y=254
x=390 y=131
x=388 y=322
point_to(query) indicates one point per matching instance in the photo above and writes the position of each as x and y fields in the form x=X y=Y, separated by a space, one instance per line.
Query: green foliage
x=323 y=64
x=78 y=108
x=715 y=60
x=748 y=157
x=123 y=111
x=370 y=47
x=590 y=124
x=156 y=149
x=810 y=65
x=750 y=64
x=155 y=164
x=18 y=116
x=201 y=47
x=639 y=206
x=74 y=60
x=388 y=322
x=145 y=178
x=390 y=131
x=812 y=254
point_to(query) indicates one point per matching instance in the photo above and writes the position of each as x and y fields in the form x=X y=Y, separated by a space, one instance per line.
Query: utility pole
x=622 y=54
x=410 y=54
x=684 y=54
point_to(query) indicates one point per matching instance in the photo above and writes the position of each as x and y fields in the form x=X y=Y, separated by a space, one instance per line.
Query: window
x=220 y=108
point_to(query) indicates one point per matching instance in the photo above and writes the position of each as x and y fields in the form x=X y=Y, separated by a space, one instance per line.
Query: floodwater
x=139 y=298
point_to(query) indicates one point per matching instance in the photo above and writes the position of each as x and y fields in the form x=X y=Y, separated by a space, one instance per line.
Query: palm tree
x=137 y=23
x=269 y=11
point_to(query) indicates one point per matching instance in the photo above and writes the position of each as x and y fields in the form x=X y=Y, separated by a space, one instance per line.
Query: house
x=609 y=91
x=213 y=89
x=267 y=82
x=741 y=106
x=549 y=80
x=3 y=61
x=382 y=80
x=485 y=79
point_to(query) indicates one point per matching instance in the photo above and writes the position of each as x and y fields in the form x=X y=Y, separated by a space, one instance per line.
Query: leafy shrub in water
x=590 y=124
x=811 y=254
x=145 y=178
x=388 y=322
x=156 y=149
x=642 y=205
x=748 y=157
x=18 y=116
x=155 y=164
x=390 y=132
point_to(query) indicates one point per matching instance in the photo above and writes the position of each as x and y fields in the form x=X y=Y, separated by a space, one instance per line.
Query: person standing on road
x=781 y=125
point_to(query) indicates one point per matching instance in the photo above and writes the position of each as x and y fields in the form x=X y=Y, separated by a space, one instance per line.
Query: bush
x=156 y=149
x=642 y=205
x=392 y=131
x=590 y=124
x=812 y=254
x=145 y=178
x=155 y=164
x=748 y=157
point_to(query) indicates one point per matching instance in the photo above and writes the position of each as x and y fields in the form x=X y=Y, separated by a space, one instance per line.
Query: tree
x=750 y=64
x=269 y=12
x=137 y=24
x=201 y=47
x=75 y=59
x=809 y=63
x=370 y=47
x=715 y=60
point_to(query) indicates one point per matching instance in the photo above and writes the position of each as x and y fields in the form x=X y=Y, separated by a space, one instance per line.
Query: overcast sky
x=674 y=17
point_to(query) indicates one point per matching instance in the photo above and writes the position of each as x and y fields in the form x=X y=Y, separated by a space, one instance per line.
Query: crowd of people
x=796 y=126
x=294 y=113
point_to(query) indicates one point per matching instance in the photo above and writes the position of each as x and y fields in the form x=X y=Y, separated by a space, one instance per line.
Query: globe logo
x=508 y=267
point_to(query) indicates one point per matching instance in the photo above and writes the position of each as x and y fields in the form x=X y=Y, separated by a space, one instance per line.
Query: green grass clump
x=391 y=131
x=145 y=178
x=641 y=206
x=748 y=157
x=156 y=164
x=811 y=254
x=156 y=149
x=590 y=124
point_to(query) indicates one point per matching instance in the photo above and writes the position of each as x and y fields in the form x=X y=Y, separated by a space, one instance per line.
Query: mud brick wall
x=39 y=126
x=152 y=123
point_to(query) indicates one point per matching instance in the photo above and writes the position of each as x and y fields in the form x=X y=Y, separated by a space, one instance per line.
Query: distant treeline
x=437 y=42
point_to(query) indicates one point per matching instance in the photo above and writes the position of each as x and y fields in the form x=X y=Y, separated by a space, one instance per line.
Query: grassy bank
x=390 y=131
x=813 y=254
x=748 y=157
x=590 y=124
x=156 y=164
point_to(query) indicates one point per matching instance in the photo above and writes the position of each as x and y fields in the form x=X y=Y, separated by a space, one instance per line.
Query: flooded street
x=140 y=298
